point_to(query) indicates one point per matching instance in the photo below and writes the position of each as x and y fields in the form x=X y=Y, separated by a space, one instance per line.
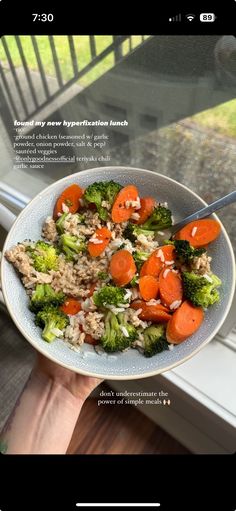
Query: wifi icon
x=190 y=17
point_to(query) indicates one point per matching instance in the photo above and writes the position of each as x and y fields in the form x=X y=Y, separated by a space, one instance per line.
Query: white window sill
x=202 y=412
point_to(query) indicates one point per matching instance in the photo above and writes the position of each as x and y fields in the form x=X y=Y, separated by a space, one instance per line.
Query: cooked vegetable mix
x=105 y=274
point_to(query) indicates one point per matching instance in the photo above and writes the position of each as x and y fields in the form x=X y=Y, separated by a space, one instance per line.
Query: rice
x=114 y=309
x=207 y=277
x=74 y=336
x=114 y=245
x=94 y=324
x=124 y=331
x=153 y=302
x=65 y=208
x=160 y=254
x=135 y=293
x=106 y=204
x=146 y=243
x=201 y=264
x=128 y=246
x=131 y=316
x=88 y=305
x=140 y=336
x=128 y=294
x=96 y=241
x=165 y=273
x=164 y=204
x=57 y=332
x=72 y=225
x=123 y=305
x=135 y=216
x=175 y=304
x=133 y=203
x=194 y=230
x=138 y=343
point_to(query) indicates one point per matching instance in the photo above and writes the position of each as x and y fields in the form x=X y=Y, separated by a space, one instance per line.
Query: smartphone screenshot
x=117 y=243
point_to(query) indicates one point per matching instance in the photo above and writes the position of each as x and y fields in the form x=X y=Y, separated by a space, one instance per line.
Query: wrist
x=78 y=385
x=63 y=384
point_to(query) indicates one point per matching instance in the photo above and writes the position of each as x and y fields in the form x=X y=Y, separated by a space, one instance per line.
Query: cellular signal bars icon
x=176 y=18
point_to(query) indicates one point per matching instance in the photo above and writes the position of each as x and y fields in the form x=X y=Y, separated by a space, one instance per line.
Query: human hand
x=79 y=386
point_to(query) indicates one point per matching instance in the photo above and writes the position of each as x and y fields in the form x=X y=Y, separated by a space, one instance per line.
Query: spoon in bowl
x=204 y=212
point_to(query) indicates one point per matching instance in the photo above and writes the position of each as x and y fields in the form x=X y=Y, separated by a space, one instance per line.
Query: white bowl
x=130 y=364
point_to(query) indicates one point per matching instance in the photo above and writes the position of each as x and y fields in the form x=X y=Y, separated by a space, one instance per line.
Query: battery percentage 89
x=207 y=16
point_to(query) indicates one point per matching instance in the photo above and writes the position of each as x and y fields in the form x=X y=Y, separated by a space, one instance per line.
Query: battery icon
x=207 y=16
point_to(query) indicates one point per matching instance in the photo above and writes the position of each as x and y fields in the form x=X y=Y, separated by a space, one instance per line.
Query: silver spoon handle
x=206 y=211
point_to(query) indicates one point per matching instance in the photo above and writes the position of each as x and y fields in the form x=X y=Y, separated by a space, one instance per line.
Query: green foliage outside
x=82 y=48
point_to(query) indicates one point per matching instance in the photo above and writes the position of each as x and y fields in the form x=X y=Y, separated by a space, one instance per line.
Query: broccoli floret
x=154 y=340
x=60 y=223
x=132 y=231
x=199 y=290
x=114 y=338
x=103 y=275
x=130 y=329
x=45 y=295
x=51 y=319
x=140 y=258
x=134 y=282
x=80 y=218
x=61 y=220
x=102 y=191
x=160 y=219
x=71 y=245
x=44 y=256
x=185 y=252
x=110 y=295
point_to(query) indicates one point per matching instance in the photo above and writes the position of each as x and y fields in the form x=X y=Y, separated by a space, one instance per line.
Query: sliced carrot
x=120 y=212
x=103 y=235
x=147 y=207
x=155 y=313
x=90 y=340
x=122 y=267
x=71 y=306
x=152 y=266
x=92 y=289
x=143 y=270
x=70 y=197
x=139 y=304
x=185 y=322
x=200 y=232
x=171 y=287
x=148 y=287
x=157 y=260
x=125 y=279
x=168 y=252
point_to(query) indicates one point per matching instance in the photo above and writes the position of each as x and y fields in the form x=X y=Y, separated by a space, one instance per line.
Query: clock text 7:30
x=43 y=17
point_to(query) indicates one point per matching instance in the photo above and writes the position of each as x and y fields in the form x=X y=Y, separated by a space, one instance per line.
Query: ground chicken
x=49 y=231
x=201 y=265
x=22 y=262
